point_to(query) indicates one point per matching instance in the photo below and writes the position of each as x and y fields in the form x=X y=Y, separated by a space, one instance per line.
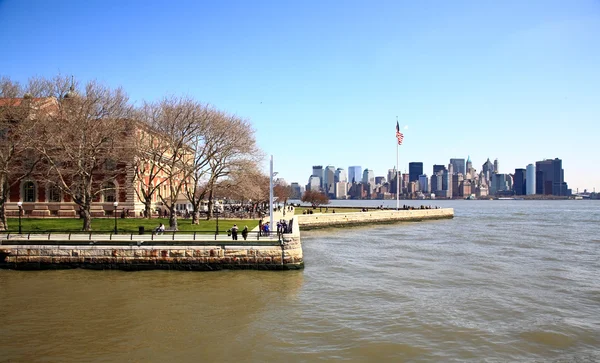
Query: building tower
x=530 y=180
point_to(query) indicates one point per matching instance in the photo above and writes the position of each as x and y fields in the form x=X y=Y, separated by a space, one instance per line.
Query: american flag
x=399 y=135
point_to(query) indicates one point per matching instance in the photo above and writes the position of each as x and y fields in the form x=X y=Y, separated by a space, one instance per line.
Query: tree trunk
x=195 y=217
x=87 y=219
x=172 y=220
x=3 y=198
x=148 y=209
x=3 y=222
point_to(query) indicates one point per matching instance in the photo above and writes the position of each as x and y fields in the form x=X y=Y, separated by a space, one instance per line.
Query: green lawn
x=124 y=225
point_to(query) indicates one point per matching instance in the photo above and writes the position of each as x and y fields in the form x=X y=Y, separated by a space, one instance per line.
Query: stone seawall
x=325 y=220
x=286 y=255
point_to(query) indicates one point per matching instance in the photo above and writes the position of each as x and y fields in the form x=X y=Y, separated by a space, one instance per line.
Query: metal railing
x=200 y=238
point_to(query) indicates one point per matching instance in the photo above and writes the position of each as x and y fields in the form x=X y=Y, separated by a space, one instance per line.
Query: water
x=502 y=281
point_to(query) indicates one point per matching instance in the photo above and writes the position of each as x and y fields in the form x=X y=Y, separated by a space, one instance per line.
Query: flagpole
x=398 y=175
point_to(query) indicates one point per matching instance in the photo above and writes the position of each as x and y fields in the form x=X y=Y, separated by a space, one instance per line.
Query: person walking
x=245 y=232
x=234 y=232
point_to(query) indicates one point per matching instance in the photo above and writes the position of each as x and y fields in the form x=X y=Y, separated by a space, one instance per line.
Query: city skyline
x=517 y=81
x=422 y=169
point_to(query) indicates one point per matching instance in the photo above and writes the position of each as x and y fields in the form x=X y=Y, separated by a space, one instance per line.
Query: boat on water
x=509 y=198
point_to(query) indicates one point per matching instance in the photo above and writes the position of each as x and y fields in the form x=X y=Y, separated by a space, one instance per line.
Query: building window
x=110 y=193
x=54 y=195
x=29 y=192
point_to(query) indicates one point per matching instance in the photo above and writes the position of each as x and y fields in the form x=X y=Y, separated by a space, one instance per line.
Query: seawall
x=342 y=219
x=136 y=252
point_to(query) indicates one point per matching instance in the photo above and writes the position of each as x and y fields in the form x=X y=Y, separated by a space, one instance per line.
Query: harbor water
x=504 y=281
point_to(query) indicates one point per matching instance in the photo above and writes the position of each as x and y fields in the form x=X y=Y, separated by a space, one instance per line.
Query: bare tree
x=165 y=162
x=18 y=118
x=82 y=144
x=227 y=147
x=282 y=192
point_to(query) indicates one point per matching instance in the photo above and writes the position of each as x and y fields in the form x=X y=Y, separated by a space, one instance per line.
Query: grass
x=124 y=225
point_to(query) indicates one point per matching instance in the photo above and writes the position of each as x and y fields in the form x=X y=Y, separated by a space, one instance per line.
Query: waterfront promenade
x=188 y=251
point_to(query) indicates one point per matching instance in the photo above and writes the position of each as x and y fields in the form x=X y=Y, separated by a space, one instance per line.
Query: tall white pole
x=271 y=195
x=398 y=175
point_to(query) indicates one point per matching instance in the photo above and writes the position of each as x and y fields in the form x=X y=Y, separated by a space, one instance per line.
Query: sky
x=322 y=82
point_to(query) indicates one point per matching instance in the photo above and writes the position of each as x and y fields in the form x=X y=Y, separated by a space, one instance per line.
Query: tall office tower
x=424 y=183
x=341 y=190
x=296 y=191
x=436 y=185
x=340 y=175
x=457 y=179
x=391 y=175
x=354 y=174
x=447 y=181
x=487 y=169
x=530 y=180
x=469 y=163
x=459 y=165
x=368 y=176
x=329 y=180
x=314 y=183
x=379 y=180
x=471 y=174
x=550 y=178
x=437 y=168
x=519 y=182
x=319 y=172
x=496 y=166
x=414 y=170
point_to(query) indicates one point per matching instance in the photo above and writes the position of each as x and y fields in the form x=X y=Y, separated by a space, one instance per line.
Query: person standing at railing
x=245 y=232
x=234 y=232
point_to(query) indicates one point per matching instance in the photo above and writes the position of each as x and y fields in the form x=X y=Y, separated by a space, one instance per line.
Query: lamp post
x=20 y=205
x=217 y=213
x=271 y=175
x=116 y=204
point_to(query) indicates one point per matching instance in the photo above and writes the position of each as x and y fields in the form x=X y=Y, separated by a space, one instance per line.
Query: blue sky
x=323 y=81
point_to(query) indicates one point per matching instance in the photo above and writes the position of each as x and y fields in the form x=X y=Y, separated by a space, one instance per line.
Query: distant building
x=438 y=168
x=519 y=182
x=329 y=180
x=296 y=191
x=423 y=183
x=550 y=178
x=414 y=170
x=436 y=182
x=314 y=183
x=368 y=177
x=319 y=173
x=379 y=180
x=340 y=175
x=341 y=190
x=458 y=165
x=530 y=180
x=354 y=174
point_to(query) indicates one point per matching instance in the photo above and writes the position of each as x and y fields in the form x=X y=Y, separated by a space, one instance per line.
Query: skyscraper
x=354 y=174
x=519 y=182
x=550 y=178
x=458 y=165
x=437 y=168
x=340 y=175
x=329 y=180
x=368 y=176
x=530 y=180
x=318 y=172
x=414 y=170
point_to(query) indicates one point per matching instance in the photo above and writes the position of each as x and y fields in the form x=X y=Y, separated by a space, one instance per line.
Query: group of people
x=234 y=232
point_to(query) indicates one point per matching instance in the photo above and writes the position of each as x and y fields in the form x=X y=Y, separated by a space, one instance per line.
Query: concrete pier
x=375 y=216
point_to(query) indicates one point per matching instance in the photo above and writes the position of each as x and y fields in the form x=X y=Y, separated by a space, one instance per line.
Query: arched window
x=29 y=191
x=110 y=192
x=54 y=194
